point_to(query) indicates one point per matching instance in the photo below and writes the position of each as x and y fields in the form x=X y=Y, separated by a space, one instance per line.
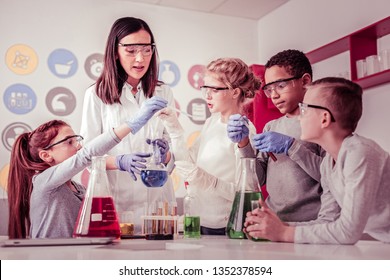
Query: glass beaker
x=97 y=215
x=249 y=191
x=155 y=174
x=191 y=222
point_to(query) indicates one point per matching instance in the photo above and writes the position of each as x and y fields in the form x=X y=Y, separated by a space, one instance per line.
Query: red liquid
x=102 y=222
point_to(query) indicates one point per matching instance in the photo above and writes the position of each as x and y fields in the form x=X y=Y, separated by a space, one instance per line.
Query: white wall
x=186 y=38
x=307 y=25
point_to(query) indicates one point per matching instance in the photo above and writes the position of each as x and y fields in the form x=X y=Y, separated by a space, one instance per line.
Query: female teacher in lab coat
x=129 y=77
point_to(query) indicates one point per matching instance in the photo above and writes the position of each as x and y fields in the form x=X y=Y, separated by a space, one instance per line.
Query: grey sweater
x=293 y=180
x=356 y=196
x=53 y=205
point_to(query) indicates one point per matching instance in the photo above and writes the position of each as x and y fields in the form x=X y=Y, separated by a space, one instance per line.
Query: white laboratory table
x=205 y=248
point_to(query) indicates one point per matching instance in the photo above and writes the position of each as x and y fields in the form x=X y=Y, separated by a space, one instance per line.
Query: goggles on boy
x=134 y=49
x=210 y=91
x=73 y=140
x=279 y=86
x=303 y=108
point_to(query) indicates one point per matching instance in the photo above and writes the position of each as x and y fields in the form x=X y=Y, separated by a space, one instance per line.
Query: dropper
x=182 y=112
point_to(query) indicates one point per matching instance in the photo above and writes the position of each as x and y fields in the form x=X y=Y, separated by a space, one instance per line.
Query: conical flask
x=97 y=216
x=155 y=174
x=248 y=194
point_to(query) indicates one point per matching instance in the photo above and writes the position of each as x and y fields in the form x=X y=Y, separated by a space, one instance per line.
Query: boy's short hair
x=295 y=62
x=343 y=98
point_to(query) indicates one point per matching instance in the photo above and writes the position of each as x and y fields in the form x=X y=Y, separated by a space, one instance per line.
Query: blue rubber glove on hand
x=131 y=163
x=162 y=145
x=272 y=142
x=237 y=128
x=147 y=110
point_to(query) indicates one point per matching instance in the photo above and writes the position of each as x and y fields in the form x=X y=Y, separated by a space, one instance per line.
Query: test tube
x=272 y=156
x=173 y=214
x=160 y=221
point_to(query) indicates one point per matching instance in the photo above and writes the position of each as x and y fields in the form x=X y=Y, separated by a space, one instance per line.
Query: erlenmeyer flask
x=155 y=174
x=248 y=193
x=97 y=216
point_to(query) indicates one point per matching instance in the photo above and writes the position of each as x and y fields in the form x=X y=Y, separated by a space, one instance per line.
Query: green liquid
x=191 y=226
x=232 y=230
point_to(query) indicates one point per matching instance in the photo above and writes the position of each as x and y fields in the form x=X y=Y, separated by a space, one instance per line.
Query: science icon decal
x=169 y=73
x=60 y=101
x=19 y=99
x=21 y=59
x=4 y=177
x=198 y=110
x=62 y=63
x=11 y=132
x=93 y=66
x=195 y=76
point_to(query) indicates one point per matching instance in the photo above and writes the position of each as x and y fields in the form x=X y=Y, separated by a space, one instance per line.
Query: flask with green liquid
x=191 y=222
x=246 y=196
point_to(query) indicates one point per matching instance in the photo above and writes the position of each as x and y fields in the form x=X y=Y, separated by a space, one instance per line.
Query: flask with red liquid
x=97 y=215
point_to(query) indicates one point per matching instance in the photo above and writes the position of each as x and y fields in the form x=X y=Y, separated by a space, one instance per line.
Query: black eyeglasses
x=74 y=141
x=208 y=91
x=303 y=107
x=280 y=86
x=134 y=49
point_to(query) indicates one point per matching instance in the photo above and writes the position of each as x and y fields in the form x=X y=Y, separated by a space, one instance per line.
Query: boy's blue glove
x=162 y=145
x=272 y=142
x=237 y=128
x=147 y=110
x=131 y=163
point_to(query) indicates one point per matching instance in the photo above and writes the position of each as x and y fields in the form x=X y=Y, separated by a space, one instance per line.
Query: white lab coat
x=97 y=117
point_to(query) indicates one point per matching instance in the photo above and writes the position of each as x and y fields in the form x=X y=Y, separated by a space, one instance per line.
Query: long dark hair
x=109 y=84
x=24 y=164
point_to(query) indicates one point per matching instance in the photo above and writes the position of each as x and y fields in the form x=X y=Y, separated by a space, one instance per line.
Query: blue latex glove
x=162 y=145
x=131 y=163
x=147 y=110
x=272 y=142
x=237 y=128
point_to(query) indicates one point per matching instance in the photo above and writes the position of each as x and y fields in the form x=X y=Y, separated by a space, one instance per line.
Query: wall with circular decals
x=48 y=64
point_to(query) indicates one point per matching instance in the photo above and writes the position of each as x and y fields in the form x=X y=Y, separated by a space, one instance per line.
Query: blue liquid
x=154 y=178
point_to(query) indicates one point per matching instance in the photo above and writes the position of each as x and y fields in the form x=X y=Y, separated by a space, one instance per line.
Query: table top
x=205 y=248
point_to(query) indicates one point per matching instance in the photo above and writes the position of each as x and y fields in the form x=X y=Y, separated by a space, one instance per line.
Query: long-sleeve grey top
x=53 y=205
x=293 y=181
x=359 y=187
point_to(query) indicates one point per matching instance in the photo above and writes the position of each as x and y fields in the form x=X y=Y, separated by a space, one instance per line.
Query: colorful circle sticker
x=62 y=63
x=60 y=101
x=11 y=132
x=4 y=177
x=198 y=110
x=192 y=138
x=175 y=177
x=21 y=59
x=196 y=75
x=19 y=99
x=169 y=73
x=93 y=65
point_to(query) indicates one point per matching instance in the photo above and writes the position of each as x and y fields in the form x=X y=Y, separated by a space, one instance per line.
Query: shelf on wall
x=360 y=44
x=374 y=79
